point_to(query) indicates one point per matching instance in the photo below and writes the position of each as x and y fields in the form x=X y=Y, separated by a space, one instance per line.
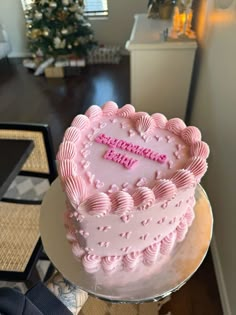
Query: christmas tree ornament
x=35 y=33
x=66 y=2
x=53 y=4
x=38 y=15
x=62 y=15
x=58 y=43
x=69 y=46
x=64 y=31
x=74 y=7
x=46 y=32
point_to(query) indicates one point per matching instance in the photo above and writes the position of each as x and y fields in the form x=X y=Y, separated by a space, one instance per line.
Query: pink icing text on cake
x=130 y=147
x=120 y=158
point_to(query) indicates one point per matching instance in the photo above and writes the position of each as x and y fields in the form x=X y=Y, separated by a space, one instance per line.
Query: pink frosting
x=98 y=204
x=137 y=115
x=143 y=198
x=189 y=215
x=77 y=250
x=72 y=134
x=131 y=260
x=164 y=189
x=181 y=230
x=183 y=179
x=109 y=108
x=70 y=235
x=198 y=167
x=200 y=149
x=76 y=189
x=191 y=135
x=110 y=263
x=144 y=124
x=167 y=244
x=91 y=263
x=126 y=111
x=122 y=202
x=81 y=122
x=175 y=125
x=94 y=112
x=151 y=253
x=67 y=151
x=160 y=120
x=67 y=168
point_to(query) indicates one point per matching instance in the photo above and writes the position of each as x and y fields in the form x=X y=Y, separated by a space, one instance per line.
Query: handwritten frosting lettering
x=120 y=158
x=130 y=147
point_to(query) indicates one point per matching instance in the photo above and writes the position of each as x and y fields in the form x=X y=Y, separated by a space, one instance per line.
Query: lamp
x=182 y=21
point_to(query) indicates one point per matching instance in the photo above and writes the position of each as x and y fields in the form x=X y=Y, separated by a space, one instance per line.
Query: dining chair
x=20 y=243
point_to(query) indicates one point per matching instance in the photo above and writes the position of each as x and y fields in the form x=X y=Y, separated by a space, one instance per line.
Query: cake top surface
x=114 y=159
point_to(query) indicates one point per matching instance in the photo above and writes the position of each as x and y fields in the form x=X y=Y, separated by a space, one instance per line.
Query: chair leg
x=33 y=279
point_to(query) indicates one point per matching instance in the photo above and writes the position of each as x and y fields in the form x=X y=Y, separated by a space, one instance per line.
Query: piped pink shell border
x=143 y=197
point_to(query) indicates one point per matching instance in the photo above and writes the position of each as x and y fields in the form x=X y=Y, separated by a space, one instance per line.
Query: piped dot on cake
x=125 y=235
x=104 y=244
x=144 y=237
x=84 y=233
x=126 y=218
x=146 y=222
x=104 y=228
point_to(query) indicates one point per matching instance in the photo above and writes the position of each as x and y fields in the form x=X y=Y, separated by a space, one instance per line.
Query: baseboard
x=220 y=278
x=19 y=55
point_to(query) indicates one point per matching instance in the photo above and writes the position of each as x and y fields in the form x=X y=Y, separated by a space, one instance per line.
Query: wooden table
x=13 y=154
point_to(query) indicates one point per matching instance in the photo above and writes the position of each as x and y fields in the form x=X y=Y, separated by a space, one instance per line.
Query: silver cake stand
x=145 y=284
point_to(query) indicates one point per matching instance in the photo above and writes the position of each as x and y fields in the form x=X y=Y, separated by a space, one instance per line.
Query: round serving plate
x=146 y=283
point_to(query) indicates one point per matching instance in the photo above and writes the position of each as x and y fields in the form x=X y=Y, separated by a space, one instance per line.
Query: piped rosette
x=164 y=189
x=94 y=112
x=200 y=149
x=197 y=166
x=122 y=203
x=75 y=189
x=98 y=204
x=80 y=122
x=175 y=125
x=67 y=151
x=131 y=261
x=168 y=243
x=160 y=120
x=144 y=124
x=183 y=179
x=110 y=263
x=126 y=111
x=143 y=198
x=72 y=134
x=151 y=253
x=181 y=230
x=109 y=108
x=91 y=263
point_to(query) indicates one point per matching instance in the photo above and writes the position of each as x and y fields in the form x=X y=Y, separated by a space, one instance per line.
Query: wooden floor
x=25 y=98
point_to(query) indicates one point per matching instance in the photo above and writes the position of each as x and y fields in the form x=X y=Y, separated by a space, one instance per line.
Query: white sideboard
x=161 y=70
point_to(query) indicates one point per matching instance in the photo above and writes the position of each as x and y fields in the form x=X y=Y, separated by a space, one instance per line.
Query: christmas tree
x=58 y=28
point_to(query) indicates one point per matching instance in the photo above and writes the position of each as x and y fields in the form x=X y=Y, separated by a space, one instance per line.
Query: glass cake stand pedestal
x=146 y=283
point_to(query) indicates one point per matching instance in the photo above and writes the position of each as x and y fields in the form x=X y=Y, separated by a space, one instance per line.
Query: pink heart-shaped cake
x=118 y=163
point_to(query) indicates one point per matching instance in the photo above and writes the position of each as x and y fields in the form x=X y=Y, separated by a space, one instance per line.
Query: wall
x=114 y=30
x=214 y=111
x=12 y=18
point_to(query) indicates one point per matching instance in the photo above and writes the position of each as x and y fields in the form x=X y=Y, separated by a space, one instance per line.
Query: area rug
x=95 y=306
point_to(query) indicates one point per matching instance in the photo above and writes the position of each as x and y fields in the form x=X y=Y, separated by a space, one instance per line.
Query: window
x=96 y=8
